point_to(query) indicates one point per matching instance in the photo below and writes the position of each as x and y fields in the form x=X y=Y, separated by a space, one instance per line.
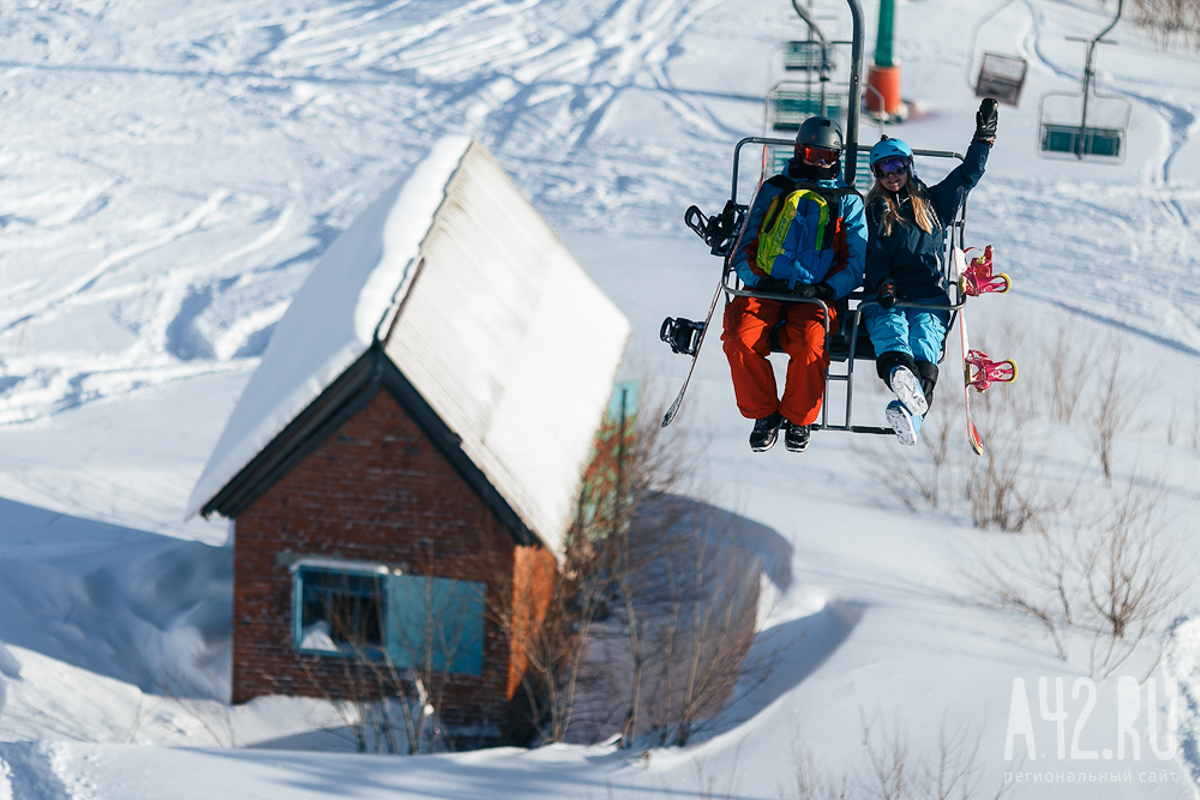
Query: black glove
x=985 y=121
x=886 y=293
x=772 y=285
x=821 y=291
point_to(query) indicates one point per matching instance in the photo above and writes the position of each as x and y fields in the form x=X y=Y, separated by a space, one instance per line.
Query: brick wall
x=376 y=490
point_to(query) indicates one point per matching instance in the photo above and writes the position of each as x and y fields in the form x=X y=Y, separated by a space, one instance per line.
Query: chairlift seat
x=839 y=339
x=1100 y=142
x=807 y=55
x=1001 y=77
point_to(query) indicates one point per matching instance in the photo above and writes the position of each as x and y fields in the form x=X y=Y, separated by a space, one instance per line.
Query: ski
x=979 y=371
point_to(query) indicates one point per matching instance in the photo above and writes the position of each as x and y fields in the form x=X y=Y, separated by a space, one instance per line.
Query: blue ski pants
x=914 y=331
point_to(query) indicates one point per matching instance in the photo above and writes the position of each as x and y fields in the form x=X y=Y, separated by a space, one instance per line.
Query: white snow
x=171 y=173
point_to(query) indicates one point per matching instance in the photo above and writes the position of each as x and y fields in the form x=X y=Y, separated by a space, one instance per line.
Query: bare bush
x=1114 y=576
x=385 y=708
x=1131 y=574
x=200 y=699
x=1067 y=362
x=653 y=603
x=1169 y=19
x=893 y=773
x=699 y=594
x=1113 y=409
x=927 y=480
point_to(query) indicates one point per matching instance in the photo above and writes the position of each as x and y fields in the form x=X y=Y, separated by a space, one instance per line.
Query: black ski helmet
x=819 y=132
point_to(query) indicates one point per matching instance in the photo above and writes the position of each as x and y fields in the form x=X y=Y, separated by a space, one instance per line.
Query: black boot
x=927 y=373
x=796 y=438
x=766 y=431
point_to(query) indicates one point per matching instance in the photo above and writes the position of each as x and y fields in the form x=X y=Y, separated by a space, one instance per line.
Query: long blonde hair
x=922 y=212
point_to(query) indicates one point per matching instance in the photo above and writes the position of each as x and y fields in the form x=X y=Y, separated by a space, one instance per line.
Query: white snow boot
x=907 y=426
x=908 y=390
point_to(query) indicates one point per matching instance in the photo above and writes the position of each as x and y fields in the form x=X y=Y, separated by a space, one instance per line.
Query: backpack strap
x=786 y=186
x=832 y=195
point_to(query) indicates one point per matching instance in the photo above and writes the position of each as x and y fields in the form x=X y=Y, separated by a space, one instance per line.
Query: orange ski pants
x=746 y=341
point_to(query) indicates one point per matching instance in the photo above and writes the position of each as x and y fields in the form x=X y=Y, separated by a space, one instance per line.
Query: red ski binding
x=978 y=279
x=982 y=372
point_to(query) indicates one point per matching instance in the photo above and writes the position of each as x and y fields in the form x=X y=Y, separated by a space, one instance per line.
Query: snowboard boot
x=766 y=431
x=907 y=426
x=796 y=438
x=907 y=389
x=928 y=373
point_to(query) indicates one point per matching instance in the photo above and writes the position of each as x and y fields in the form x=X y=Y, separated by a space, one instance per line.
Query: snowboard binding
x=982 y=372
x=978 y=279
x=682 y=334
x=718 y=231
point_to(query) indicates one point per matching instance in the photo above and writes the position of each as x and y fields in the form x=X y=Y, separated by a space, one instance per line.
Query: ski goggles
x=896 y=165
x=818 y=155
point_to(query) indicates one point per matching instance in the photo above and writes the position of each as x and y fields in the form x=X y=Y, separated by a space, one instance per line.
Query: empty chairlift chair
x=1084 y=127
x=1089 y=125
x=1001 y=77
x=789 y=103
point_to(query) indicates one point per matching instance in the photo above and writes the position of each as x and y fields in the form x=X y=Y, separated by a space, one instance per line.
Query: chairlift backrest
x=789 y=103
x=1001 y=77
x=808 y=56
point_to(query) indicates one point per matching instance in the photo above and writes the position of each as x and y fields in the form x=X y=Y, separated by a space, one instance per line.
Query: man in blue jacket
x=805 y=237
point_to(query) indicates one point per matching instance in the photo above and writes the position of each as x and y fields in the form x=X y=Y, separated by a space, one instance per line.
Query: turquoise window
x=416 y=622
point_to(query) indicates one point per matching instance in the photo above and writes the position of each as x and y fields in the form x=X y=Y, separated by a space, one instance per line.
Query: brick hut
x=407 y=457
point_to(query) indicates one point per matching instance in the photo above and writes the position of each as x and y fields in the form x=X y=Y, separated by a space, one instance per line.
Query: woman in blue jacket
x=906 y=222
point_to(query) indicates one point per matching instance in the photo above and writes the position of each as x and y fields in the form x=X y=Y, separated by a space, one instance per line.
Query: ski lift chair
x=808 y=55
x=789 y=103
x=1001 y=77
x=1089 y=125
x=1082 y=127
x=848 y=341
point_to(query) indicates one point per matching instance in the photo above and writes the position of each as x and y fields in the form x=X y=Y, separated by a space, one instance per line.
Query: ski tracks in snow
x=1122 y=238
x=41 y=771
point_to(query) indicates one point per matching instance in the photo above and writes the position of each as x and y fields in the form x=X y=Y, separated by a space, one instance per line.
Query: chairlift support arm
x=975 y=38
x=854 y=97
x=1089 y=70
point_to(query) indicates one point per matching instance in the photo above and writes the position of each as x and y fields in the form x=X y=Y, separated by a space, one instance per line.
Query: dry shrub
x=1168 y=20
x=654 y=604
x=1114 y=576
x=893 y=773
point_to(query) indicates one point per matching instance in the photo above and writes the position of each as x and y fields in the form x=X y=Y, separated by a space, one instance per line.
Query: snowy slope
x=172 y=171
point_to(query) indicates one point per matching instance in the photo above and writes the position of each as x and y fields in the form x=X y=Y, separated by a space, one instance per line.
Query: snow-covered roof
x=479 y=305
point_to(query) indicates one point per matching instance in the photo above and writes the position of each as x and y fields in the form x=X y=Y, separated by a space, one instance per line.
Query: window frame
x=466 y=598
x=326 y=566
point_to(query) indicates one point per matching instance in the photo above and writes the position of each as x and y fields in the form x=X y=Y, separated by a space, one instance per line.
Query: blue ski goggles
x=895 y=165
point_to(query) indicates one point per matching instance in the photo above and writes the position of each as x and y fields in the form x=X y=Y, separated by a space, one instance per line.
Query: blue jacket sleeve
x=854 y=221
x=948 y=193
